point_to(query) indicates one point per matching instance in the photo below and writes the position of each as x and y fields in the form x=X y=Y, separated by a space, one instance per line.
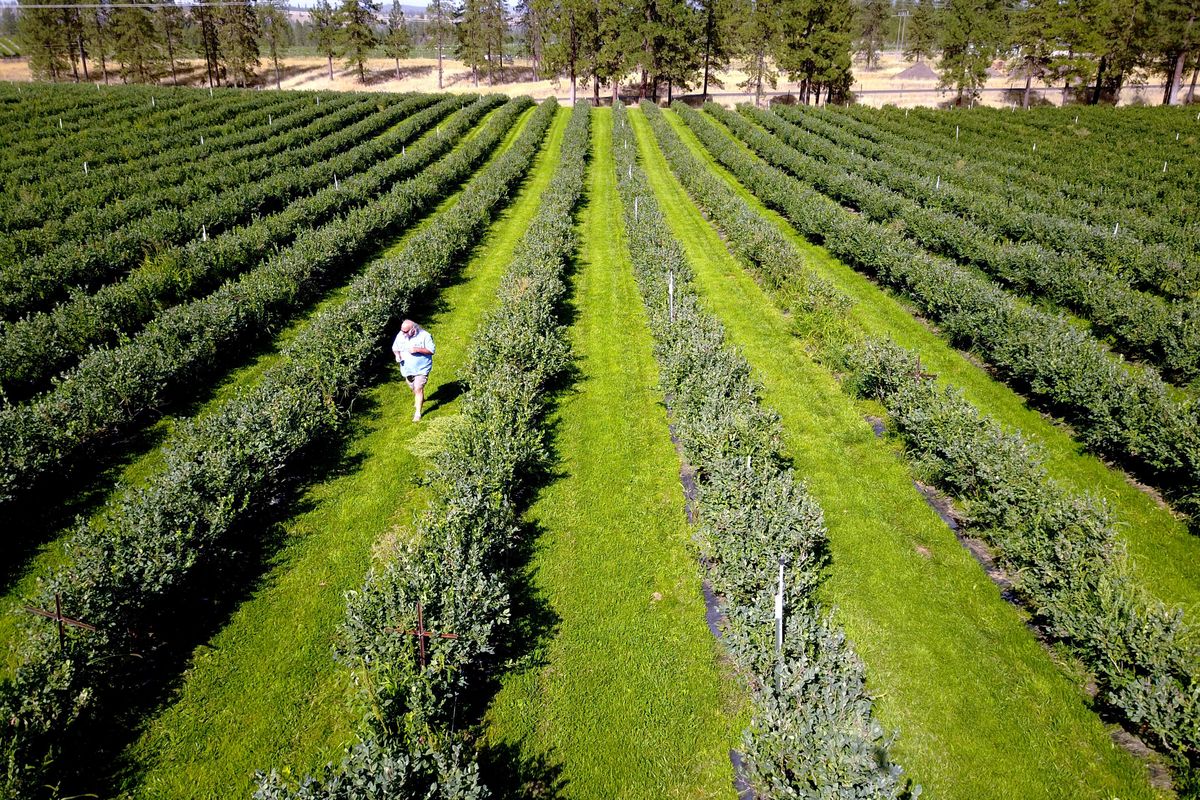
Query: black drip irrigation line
x=713 y=614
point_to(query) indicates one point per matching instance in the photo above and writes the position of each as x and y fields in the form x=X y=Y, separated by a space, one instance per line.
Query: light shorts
x=416 y=381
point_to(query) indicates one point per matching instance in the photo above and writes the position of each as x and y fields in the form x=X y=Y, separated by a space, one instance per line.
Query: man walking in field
x=414 y=353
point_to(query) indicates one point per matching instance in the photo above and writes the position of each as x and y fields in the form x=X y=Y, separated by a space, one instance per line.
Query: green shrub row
x=133 y=577
x=114 y=145
x=749 y=236
x=147 y=193
x=460 y=568
x=812 y=733
x=997 y=201
x=1113 y=166
x=139 y=113
x=34 y=112
x=1123 y=412
x=1159 y=254
x=1061 y=549
x=111 y=390
x=248 y=135
x=39 y=346
x=37 y=282
x=1144 y=325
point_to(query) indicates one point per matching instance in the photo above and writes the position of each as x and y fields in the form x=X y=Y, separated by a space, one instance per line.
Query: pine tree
x=170 y=25
x=397 y=40
x=814 y=47
x=872 y=24
x=922 y=32
x=569 y=40
x=1034 y=39
x=276 y=31
x=759 y=36
x=1173 y=37
x=136 y=45
x=529 y=22
x=614 y=52
x=356 y=24
x=325 y=32
x=972 y=34
x=677 y=58
x=42 y=35
x=205 y=19
x=716 y=41
x=469 y=36
x=95 y=32
x=238 y=32
x=439 y=28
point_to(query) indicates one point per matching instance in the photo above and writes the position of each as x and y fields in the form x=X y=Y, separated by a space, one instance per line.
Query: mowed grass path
x=1165 y=556
x=981 y=709
x=265 y=691
x=145 y=450
x=630 y=700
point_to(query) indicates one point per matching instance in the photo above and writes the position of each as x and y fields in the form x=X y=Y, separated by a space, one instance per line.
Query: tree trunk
x=362 y=72
x=1099 y=78
x=616 y=89
x=1175 y=89
x=83 y=53
x=439 y=52
x=1192 y=89
x=171 y=56
x=397 y=67
x=708 y=32
x=1028 y=85
x=574 y=80
x=278 y=83
x=670 y=91
x=330 y=57
x=596 y=90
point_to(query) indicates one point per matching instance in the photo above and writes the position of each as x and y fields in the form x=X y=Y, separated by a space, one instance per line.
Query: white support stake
x=85 y=168
x=403 y=150
x=1076 y=119
x=210 y=94
x=956 y=133
x=779 y=630
x=202 y=140
x=635 y=209
x=60 y=123
x=631 y=171
x=270 y=120
x=938 y=185
x=1035 y=147
x=204 y=233
x=1116 y=228
x=1177 y=136
x=336 y=185
x=1164 y=168
x=671 y=296
x=153 y=102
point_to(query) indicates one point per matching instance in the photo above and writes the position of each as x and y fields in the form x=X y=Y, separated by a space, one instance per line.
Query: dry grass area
x=872 y=87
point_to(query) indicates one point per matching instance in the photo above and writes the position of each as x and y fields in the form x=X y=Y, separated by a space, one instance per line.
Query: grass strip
x=454 y=576
x=38 y=346
x=625 y=697
x=761 y=536
x=136 y=583
x=1165 y=555
x=112 y=389
x=982 y=711
x=265 y=689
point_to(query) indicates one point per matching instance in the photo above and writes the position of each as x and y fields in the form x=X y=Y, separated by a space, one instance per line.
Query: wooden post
x=422 y=633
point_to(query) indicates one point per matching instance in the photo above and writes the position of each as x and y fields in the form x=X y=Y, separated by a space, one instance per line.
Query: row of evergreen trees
x=1088 y=47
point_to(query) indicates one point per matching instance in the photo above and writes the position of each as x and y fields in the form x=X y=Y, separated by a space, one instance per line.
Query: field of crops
x=836 y=453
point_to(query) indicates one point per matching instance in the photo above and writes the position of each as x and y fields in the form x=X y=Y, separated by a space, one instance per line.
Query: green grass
x=265 y=691
x=981 y=709
x=630 y=699
x=1165 y=556
x=143 y=461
